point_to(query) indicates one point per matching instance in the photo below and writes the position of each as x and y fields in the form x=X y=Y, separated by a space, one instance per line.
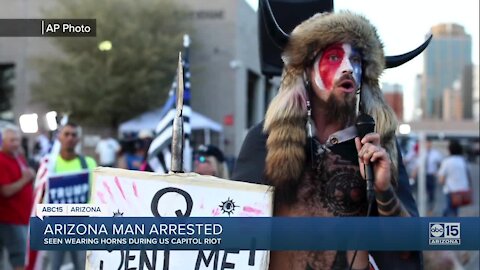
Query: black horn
x=397 y=60
x=274 y=30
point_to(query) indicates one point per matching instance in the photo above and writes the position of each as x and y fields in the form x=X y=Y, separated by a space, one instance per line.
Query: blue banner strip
x=374 y=233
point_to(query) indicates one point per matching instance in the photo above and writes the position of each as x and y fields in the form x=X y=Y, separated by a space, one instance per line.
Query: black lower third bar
x=48 y=27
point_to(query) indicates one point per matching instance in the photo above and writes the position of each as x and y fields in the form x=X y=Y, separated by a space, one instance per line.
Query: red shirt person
x=16 y=197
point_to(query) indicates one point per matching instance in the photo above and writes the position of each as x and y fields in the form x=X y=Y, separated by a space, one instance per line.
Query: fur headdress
x=287 y=114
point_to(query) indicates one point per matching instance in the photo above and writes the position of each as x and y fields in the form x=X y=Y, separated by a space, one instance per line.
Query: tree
x=107 y=87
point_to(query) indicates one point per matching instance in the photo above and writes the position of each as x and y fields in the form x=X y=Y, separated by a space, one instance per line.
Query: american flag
x=35 y=259
x=159 y=152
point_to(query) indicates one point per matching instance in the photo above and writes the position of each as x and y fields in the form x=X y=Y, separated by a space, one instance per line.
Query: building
x=226 y=82
x=16 y=54
x=466 y=87
x=393 y=94
x=445 y=60
x=417 y=98
x=230 y=88
x=453 y=104
x=476 y=95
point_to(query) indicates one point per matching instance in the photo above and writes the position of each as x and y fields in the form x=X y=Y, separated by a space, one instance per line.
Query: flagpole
x=177 y=136
x=35 y=259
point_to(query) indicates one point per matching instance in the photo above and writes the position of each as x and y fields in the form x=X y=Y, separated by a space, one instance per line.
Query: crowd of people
x=17 y=179
x=448 y=172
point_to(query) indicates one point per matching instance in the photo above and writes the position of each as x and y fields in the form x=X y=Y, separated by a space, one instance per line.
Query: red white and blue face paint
x=335 y=65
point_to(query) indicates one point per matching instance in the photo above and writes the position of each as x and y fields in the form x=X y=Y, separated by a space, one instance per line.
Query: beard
x=340 y=110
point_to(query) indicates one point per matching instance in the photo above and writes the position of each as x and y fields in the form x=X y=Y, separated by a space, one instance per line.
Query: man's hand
x=28 y=174
x=370 y=151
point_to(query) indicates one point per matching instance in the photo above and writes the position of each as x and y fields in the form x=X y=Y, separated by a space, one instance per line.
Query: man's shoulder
x=112 y=140
x=251 y=159
x=3 y=156
x=451 y=160
x=114 y=143
x=91 y=163
x=256 y=134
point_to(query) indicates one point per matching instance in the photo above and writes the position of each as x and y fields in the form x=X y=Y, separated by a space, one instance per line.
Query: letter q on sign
x=178 y=213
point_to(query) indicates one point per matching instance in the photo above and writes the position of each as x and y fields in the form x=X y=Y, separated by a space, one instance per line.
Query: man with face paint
x=338 y=62
x=309 y=148
x=336 y=75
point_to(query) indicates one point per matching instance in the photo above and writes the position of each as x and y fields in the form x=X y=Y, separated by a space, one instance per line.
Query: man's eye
x=333 y=57
x=356 y=60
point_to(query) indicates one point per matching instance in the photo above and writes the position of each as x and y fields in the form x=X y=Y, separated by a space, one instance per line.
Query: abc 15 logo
x=444 y=229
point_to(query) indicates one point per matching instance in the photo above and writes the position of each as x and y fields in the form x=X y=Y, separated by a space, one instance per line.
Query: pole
x=177 y=136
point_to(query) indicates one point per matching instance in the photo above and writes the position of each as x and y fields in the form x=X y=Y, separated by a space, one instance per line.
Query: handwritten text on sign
x=140 y=194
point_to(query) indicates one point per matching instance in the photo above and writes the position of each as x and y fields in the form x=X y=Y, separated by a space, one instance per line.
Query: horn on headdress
x=397 y=60
x=274 y=30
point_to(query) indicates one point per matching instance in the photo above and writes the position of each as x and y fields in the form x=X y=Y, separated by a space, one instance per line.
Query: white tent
x=149 y=121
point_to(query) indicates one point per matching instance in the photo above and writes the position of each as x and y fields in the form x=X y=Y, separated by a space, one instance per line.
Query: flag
x=35 y=259
x=159 y=152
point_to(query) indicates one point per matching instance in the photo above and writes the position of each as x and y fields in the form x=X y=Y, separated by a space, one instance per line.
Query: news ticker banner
x=259 y=233
x=48 y=27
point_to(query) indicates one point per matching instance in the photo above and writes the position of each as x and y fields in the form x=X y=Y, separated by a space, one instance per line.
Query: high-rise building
x=445 y=60
x=393 y=95
x=417 y=98
x=452 y=102
x=466 y=87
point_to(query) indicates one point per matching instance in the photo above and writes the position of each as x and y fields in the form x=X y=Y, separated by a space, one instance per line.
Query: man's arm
x=399 y=201
x=403 y=195
x=441 y=173
x=8 y=190
x=441 y=180
x=388 y=204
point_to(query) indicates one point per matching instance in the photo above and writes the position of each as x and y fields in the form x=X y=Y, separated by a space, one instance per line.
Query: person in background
x=453 y=175
x=69 y=161
x=146 y=137
x=42 y=145
x=16 y=198
x=209 y=160
x=107 y=150
x=133 y=160
x=432 y=161
x=410 y=162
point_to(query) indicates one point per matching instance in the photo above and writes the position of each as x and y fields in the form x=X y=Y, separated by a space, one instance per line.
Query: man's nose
x=347 y=67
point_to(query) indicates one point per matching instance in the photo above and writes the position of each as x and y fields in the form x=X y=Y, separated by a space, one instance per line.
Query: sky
x=403 y=25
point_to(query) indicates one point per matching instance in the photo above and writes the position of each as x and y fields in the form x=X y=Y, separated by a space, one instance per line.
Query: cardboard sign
x=68 y=187
x=143 y=194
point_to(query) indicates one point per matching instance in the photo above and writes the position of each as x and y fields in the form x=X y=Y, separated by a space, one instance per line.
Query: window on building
x=6 y=90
